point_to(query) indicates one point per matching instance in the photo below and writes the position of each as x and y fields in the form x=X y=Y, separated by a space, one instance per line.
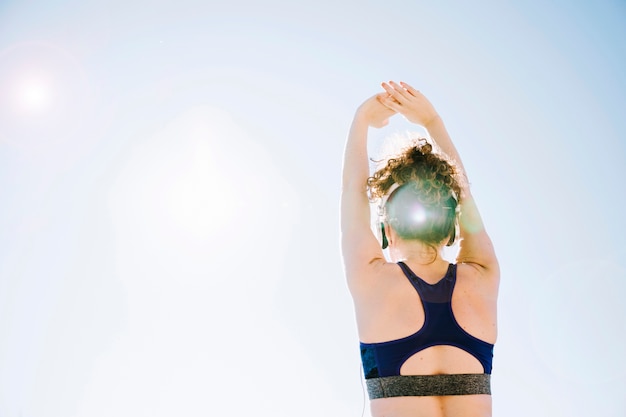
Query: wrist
x=433 y=121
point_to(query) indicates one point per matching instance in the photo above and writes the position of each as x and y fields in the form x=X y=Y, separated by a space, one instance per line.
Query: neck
x=416 y=252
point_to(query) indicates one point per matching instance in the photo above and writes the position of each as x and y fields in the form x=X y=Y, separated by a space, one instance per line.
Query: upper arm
x=475 y=247
x=361 y=250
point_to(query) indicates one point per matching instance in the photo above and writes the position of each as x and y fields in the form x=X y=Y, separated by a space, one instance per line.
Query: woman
x=427 y=327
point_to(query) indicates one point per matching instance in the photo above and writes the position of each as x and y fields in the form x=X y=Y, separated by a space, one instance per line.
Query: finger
x=400 y=89
x=390 y=103
x=394 y=93
x=387 y=96
x=409 y=89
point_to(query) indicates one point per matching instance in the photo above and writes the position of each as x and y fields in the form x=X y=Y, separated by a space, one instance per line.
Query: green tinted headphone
x=380 y=224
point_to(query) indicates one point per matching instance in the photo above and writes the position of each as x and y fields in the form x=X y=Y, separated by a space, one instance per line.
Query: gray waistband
x=428 y=385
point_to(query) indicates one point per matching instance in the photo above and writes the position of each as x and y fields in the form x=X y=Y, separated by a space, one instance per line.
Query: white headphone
x=382 y=214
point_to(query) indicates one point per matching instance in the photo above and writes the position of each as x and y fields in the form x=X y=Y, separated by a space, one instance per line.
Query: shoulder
x=377 y=277
x=484 y=279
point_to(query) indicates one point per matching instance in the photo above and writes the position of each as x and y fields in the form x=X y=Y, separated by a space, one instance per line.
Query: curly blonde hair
x=424 y=206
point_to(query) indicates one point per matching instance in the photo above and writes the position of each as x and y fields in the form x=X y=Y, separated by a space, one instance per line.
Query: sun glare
x=33 y=95
x=418 y=214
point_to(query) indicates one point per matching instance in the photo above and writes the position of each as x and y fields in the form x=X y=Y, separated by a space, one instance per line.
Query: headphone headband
x=385 y=198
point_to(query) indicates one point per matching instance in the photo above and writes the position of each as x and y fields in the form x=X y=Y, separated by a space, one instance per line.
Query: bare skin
x=387 y=306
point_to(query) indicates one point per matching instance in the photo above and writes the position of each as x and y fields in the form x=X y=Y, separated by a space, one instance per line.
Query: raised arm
x=360 y=248
x=475 y=246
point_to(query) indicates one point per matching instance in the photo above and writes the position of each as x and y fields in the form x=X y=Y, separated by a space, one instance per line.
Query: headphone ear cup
x=384 y=240
x=452 y=236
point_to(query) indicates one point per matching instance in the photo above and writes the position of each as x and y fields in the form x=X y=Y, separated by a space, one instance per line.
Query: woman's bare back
x=393 y=310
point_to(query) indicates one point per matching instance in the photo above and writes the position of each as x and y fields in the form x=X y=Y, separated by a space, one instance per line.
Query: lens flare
x=418 y=214
x=46 y=98
x=33 y=95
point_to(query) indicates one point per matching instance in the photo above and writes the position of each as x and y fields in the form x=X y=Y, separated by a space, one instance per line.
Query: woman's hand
x=374 y=112
x=409 y=102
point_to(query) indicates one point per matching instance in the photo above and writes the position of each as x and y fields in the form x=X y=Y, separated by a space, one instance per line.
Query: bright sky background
x=169 y=182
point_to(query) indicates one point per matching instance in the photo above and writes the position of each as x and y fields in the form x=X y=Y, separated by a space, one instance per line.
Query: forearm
x=354 y=201
x=438 y=132
x=476 y=247
x=355 y=163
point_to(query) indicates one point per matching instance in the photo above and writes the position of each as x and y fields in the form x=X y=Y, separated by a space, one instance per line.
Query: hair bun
x=425 y=148
x=417 y=152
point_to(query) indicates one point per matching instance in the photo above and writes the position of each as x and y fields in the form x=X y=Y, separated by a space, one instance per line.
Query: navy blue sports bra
x=440 y=328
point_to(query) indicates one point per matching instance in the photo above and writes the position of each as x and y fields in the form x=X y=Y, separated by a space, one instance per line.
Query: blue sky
x=170 y=171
